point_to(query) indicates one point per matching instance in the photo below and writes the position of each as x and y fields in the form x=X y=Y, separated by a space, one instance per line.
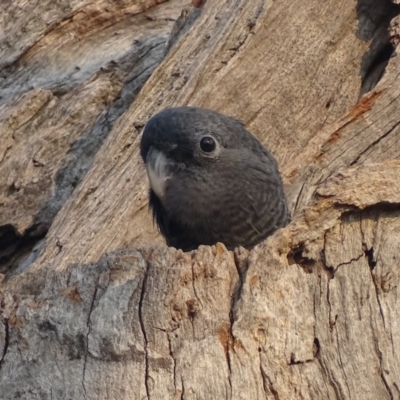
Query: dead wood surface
x=162 y=324
x=282 y=97
x=309 y=314
x=59 y=98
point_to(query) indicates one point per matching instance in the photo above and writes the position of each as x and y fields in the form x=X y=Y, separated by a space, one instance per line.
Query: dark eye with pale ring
x=207 y=144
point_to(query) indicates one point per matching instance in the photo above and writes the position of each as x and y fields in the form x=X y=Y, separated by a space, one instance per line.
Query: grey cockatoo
x=211 y=180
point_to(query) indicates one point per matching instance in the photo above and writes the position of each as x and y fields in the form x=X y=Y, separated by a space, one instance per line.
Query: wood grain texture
x=280 y=97
x=311 y=313
x=60 y=98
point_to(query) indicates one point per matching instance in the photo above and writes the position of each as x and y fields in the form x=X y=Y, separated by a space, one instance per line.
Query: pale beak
x=159 y=170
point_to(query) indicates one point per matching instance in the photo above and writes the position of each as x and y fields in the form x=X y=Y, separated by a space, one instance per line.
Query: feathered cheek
x=160 y=169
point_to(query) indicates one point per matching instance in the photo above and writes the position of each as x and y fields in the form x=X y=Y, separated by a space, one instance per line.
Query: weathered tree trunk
x=311 y=313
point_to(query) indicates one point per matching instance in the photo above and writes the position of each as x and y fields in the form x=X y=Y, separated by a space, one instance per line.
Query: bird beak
x=159 y=170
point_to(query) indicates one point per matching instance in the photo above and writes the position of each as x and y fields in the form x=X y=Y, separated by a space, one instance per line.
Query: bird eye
x=207 y=144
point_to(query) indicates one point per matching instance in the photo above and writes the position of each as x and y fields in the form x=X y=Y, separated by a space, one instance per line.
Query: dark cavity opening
x=374 y=18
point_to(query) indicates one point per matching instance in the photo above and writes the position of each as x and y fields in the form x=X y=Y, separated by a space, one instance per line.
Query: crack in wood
x=369 y=254
x=334 y=384
x=331 y=322
x=374 y=143
x=183 y=390
x=382 y=373
x=6 y=341
x=341 y=363
x=241 y=268
x=266 y=380
x=171 y=353
x=348 y=262
x=87 y=337
x=298 y=197
x=142 y=327
x=293 y=360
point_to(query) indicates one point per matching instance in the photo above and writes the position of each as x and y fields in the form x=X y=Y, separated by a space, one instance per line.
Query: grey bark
x=311 y=313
